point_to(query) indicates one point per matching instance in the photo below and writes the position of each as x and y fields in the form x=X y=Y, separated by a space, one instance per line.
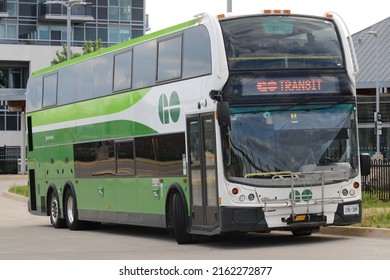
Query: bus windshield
x=276 y=140
x=281 y=42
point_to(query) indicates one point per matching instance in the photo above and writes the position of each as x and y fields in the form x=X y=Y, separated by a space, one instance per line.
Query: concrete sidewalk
x=356 y=231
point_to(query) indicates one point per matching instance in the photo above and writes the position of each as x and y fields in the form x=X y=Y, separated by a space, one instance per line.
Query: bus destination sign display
x=290 y=85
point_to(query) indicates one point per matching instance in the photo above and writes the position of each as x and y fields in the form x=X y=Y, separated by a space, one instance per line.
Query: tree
x=88 y=47
x=62 y=55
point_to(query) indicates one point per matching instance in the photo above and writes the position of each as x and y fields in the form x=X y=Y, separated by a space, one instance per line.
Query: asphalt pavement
x=7 y=181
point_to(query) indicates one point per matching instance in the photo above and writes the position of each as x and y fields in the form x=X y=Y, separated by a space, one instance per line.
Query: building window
x=119 y=10
x=9 y=121
x=13 y=77
x=12 y=8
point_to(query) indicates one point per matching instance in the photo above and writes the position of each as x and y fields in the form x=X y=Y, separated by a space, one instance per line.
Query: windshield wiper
x=332 y=105
x=267 y=174
x=301 y=102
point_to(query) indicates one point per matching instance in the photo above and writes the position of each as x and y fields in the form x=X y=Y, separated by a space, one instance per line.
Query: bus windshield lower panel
x=268 y=141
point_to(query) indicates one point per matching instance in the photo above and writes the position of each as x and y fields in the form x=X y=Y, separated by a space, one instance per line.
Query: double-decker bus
x=217 y=125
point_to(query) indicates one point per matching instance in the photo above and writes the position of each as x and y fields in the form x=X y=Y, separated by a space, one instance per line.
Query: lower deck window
x=144 y=156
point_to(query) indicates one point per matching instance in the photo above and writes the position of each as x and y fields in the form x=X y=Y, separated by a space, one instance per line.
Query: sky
x=357 y=14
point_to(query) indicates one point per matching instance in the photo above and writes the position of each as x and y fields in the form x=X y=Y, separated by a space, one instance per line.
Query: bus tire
x=179 y=220
x=70 y=208
x=55 y=217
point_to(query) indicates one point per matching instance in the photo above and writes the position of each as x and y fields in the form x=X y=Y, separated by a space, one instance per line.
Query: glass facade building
x=32 y=31
x=34 y=22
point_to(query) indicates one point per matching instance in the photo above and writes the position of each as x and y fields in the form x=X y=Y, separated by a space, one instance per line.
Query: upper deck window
x=281 y=42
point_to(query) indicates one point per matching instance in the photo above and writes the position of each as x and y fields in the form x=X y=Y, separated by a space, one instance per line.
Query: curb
x=356 y=231
x=14 y=176
x=15 y=196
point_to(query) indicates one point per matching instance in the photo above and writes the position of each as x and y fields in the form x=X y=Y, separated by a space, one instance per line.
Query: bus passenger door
x=202 y=173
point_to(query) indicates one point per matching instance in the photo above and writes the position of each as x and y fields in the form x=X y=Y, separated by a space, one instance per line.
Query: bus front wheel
x=71 y=215
x=55 y=218
x=179 y=220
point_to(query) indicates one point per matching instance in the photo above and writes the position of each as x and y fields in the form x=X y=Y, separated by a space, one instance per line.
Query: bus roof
x=119 y=46
x=157 y=34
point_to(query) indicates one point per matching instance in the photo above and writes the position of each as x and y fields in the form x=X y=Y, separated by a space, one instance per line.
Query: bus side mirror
x=365 y=164
x=223 y=112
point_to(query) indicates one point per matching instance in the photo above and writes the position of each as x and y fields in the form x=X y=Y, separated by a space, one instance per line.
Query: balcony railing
x=12 y=94
x=57 y=12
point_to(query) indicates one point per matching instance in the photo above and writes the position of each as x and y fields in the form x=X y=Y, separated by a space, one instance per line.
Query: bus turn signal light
x=277 y=11
x=329 y=15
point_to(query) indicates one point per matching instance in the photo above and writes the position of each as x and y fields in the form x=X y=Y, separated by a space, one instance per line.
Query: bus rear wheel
x=55 y=218
x=179 y=220
x=71 y=215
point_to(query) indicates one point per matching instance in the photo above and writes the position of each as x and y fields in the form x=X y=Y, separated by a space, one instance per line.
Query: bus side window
x=50 y=90
x=196 y=52
x=122 y=70
x=144 y=64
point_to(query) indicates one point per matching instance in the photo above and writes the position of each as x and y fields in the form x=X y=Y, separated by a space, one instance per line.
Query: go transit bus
x=217 y=125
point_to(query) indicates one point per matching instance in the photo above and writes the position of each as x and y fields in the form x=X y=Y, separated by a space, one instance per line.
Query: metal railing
x=378 y=182
x=9 y=159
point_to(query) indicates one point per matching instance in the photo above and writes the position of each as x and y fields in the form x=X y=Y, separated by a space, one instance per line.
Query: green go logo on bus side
x=169 y=110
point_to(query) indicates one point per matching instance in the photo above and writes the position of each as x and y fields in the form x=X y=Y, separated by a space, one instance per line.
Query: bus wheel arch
x=53 y=208
x=70 y=208
x=176 y=210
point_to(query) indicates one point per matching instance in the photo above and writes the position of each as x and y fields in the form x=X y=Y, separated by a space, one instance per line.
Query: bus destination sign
x=290 y=85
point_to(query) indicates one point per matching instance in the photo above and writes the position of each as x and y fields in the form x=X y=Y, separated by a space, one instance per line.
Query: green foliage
x=375 y=212
x=61 y=56
x=88 y=47
x=20 y=190
x=372 y=201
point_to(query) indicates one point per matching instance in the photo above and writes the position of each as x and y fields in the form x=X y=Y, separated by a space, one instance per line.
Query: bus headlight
x=251 y=197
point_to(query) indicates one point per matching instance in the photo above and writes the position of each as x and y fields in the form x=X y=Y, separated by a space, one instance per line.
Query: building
x=366 y=42
x=31 y=31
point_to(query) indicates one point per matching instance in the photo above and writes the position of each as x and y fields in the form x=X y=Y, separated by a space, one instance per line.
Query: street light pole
x=229 y=6
x=68 y=30
x=377 y=114
x=68 y=5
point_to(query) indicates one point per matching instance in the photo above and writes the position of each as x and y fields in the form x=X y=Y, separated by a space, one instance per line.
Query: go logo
x=305 y=196
x=169 y=110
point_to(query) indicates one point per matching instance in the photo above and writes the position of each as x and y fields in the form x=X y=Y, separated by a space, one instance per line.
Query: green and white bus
x=217 y=125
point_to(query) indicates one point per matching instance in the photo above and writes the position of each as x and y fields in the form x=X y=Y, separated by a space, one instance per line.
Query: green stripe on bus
x=88 y=133
x=90 y=108
x=116 y=47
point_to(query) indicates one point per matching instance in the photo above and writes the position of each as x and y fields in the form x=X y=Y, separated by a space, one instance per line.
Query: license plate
x=300 y=218
x=351 y=209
